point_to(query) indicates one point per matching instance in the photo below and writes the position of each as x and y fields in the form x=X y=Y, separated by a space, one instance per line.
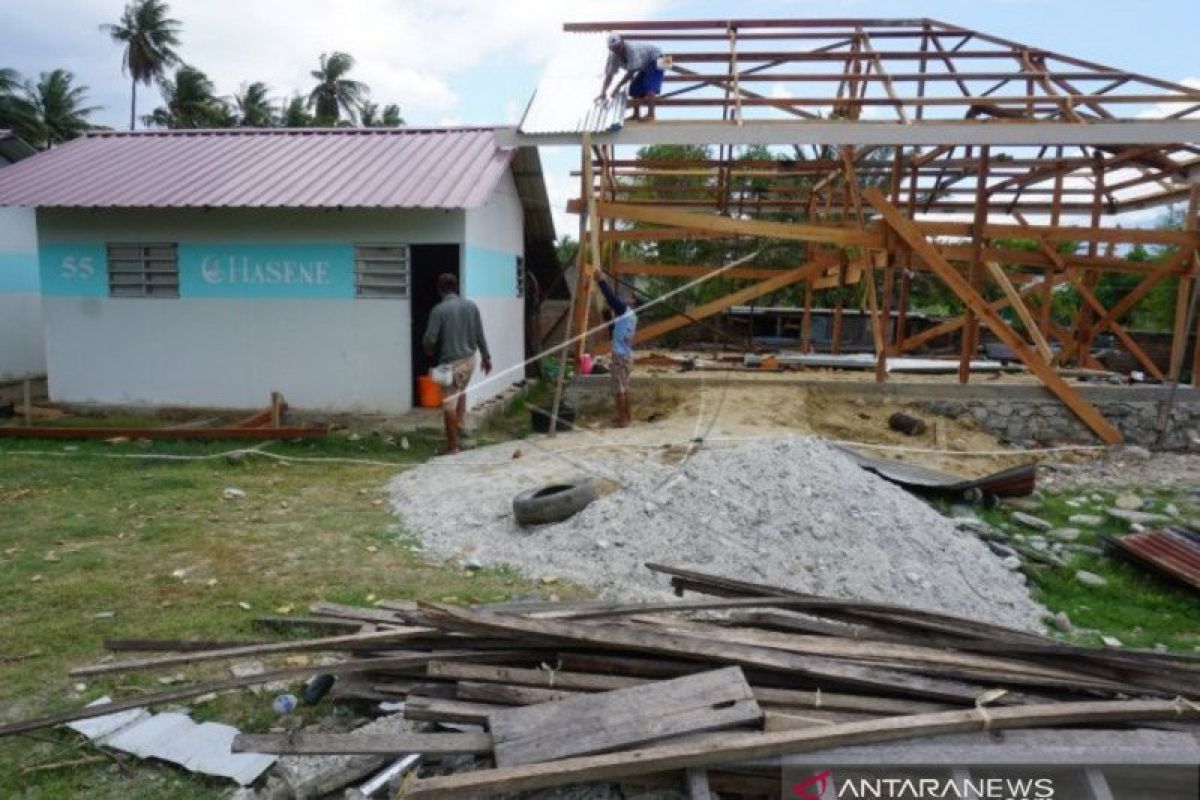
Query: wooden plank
x=349 y=642
x=509 y=695
x=597 y=723
x=362 y=744
x=1086 y=412
x=649 y=641
x=734 y=747
x=439 y=709
x=711 y=223
x=1018 y=305
x=580 y=681
x=50 y=432
x=408 y=661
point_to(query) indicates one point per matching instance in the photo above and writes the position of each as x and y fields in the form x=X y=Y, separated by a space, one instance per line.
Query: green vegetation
x=54 y=109
x=1137 y=606
x=89 y=528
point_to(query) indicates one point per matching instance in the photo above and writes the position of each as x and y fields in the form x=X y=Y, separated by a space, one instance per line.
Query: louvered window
x=381 y=270
x=143 y=270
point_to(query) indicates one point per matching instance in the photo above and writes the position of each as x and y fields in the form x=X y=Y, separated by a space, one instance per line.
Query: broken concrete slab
x=1087 y=520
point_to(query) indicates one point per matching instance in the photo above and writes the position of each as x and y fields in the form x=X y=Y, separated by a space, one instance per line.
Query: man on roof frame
x=642 y=73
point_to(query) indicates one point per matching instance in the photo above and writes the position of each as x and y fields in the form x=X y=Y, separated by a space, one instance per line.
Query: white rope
x=567 y=343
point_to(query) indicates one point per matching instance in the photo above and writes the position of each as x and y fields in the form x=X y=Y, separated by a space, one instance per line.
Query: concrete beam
x=882 y=132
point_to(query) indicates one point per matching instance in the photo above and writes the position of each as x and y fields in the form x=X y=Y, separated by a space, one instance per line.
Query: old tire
x=553 y=503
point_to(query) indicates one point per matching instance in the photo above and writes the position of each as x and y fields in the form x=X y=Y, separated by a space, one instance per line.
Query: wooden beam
x=1124 y=304
x=970 y=334
x=686 y=271
x=829 y=234
x=1086 y=412
x=746 y=746
x=1018 y=305
x=783 y=279
x=1131 y=345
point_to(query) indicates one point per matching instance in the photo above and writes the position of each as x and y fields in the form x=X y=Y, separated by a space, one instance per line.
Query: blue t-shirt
x=622 y=335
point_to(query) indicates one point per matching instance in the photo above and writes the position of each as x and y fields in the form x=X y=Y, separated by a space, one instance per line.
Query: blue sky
x=477 y=61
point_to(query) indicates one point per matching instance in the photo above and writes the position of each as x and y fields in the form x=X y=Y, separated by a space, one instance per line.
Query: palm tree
x=150 y=38
x=16 y=114
x=370 y=117
x=254 y=106
x=190 y=102
x=295 y=113
x=57 y=108
x=334 y=92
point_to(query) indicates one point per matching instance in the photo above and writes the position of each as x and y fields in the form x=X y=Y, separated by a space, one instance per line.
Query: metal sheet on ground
x=199 y=747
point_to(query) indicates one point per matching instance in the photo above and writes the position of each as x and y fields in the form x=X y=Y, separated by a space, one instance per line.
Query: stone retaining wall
x=1030 y=423
x=1024 y=414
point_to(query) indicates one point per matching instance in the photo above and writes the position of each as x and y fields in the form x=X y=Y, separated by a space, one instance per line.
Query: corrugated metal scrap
x=565 y=98
x=1173 y=551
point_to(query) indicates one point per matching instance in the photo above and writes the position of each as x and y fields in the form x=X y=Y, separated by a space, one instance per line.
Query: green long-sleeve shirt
x=455 y=330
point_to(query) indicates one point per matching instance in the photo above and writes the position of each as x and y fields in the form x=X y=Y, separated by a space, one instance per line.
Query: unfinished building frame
x=934 y=149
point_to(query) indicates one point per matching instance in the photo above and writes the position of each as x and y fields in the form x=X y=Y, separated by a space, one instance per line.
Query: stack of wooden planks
x=702 y=692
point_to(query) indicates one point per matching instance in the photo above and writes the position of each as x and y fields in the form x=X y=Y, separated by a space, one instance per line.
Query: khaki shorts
x=619 y=369
x=463 y=369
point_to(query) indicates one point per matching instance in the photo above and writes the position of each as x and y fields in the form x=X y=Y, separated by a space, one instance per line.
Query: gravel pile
x=792 y=512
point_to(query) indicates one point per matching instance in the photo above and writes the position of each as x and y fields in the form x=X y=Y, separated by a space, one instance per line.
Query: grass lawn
x=1137 y=606
x=93 y=547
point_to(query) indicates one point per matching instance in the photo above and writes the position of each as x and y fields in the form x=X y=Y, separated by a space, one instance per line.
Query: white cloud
x=1161 y=110
x=415 y=52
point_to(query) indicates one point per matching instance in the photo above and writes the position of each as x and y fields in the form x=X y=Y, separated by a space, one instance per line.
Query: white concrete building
x=22 y=352
x=209 y=268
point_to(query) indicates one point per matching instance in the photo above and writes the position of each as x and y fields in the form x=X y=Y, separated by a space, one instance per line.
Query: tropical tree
x=16 y=114
x=369 y=115
x=150 y=38
x=335 y=94
x=253 y=105
x=190 y=102
x=58 y=108
x=295 y=113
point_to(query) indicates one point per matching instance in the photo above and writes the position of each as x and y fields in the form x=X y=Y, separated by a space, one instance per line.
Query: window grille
x=143 y=270
x=381 y=270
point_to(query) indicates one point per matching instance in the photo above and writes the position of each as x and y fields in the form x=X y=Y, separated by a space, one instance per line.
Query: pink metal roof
x=281 y=168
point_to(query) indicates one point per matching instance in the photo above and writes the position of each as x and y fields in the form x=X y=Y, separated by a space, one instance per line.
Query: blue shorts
x=648 y=81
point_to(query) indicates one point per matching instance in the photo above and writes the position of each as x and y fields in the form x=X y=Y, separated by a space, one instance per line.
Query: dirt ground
x=725 y=411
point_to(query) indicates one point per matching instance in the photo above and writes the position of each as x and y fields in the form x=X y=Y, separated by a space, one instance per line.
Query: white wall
x=22 y=351
x=329 y=351
x=494 y=239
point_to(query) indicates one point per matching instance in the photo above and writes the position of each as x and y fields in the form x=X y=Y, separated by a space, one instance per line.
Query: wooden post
x=1192 y=223
x=27 y=401
x=806 y=321
x=970 y=333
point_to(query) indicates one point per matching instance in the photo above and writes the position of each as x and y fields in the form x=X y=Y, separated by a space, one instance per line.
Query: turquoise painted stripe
x=285 y=270
x=490 y=273
x=73 y=270
x=18 y=273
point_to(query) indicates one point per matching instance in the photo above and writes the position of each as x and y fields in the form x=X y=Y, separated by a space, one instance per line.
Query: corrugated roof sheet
x=283 y=168
x=565 y=99
x=1173 y=551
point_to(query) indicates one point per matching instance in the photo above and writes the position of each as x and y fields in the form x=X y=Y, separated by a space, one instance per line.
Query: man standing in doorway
x=454 y=333
x=623 y=328
x=642 y=73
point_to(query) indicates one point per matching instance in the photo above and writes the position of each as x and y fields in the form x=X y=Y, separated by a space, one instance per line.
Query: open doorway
x=427 y=262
